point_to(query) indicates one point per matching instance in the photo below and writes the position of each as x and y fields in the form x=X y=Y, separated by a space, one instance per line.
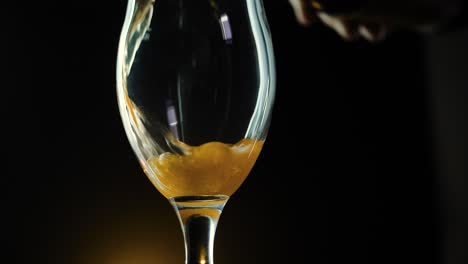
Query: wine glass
x=195 y=86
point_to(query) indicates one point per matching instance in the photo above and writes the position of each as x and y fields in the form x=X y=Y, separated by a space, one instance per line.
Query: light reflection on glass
x=226 y=28
x=172 y=119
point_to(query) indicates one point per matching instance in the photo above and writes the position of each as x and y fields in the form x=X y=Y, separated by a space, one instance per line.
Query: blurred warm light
x=137 y=254
x=132 y=252
x=133 y=239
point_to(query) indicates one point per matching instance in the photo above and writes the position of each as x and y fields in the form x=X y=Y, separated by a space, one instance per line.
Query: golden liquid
x=213 y=168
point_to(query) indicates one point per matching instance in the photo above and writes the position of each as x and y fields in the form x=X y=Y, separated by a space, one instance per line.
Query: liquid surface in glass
x=213 y=168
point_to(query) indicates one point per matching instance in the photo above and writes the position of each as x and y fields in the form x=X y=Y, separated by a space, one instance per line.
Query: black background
x=347 y=173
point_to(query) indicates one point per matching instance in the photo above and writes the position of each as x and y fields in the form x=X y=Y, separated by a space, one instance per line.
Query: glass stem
x=198 y=216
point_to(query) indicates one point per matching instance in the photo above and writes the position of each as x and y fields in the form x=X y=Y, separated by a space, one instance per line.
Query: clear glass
x=196 y=86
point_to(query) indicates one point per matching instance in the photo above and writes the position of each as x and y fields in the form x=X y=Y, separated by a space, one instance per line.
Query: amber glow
x=133 y=233
x=213 y=168
x=315 y=5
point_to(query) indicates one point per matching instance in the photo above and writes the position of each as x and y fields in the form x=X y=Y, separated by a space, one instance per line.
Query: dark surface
x=351 y=144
